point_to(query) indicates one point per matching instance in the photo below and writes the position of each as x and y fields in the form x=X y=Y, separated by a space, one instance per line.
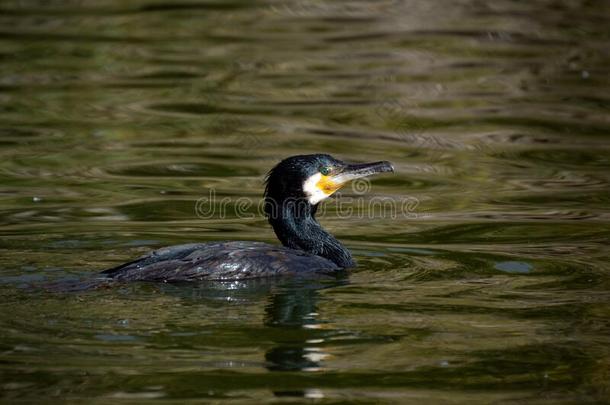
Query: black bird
x=294 y=188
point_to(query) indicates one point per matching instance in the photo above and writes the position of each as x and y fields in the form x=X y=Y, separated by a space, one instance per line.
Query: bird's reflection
x=291 y=304
x=294 y=306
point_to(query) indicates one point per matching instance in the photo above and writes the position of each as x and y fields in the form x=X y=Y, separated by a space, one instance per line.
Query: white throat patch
x=313 y=193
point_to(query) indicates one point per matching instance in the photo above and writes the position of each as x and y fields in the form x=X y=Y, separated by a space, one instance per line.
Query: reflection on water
x=295 y=309
x=116 y=118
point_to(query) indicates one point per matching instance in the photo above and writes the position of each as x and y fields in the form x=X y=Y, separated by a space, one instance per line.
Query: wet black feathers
x=220 y=261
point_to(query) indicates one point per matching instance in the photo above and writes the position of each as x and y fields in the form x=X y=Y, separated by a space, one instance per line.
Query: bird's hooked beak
x=321 y=185
x=356 y=171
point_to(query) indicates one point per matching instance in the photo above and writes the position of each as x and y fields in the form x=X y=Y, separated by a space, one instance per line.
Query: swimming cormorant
x=294 y=188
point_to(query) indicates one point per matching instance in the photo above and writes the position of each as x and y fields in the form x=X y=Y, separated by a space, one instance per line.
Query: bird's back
x=220 y=261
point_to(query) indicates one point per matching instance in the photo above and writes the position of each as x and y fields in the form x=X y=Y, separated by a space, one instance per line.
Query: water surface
x=493 y=285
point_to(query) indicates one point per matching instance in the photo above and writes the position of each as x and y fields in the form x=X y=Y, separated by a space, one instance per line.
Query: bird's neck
x=296 y=227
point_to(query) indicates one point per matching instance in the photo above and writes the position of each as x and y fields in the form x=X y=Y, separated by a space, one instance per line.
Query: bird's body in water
x=294 y=188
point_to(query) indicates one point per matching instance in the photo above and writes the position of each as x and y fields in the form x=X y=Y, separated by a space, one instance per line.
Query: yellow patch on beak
x=327 y=185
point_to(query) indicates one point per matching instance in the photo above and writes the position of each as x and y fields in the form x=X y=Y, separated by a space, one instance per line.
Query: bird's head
x=316 y=177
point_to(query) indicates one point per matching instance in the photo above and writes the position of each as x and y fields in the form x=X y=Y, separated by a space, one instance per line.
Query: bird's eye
x=325 y=170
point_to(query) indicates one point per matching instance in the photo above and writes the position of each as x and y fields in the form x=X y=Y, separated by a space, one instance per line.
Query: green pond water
x=128 y=126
